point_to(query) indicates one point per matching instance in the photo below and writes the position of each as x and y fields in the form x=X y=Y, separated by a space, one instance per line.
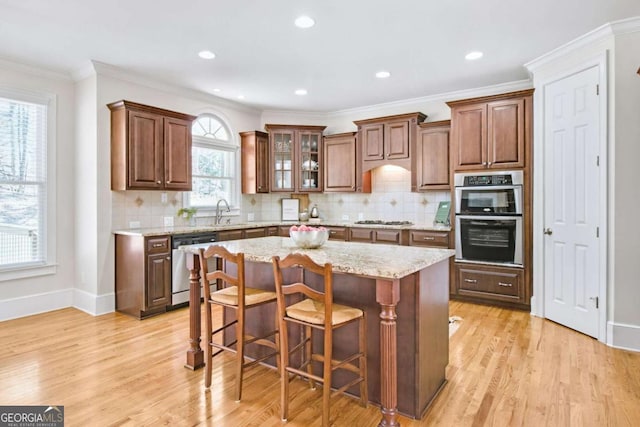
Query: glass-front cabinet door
x=283 y=164
x=296 y=158
x=310 y=161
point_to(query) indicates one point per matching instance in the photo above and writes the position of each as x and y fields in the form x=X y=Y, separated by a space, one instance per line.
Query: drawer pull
x=158 y=245
x=471 y=280
x=428 y=238
x=332 y=232
x=508 y=285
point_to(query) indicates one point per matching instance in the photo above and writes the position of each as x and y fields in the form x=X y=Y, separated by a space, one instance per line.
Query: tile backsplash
x=391 y=199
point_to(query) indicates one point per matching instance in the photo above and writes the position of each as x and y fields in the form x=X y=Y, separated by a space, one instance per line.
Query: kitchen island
x=406 y=288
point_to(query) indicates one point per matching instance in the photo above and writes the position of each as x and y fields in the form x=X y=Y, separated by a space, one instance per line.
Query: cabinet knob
x=548 y=231
x=484 y=163
x=158 y=182
x=489 y=163
x=168 y=258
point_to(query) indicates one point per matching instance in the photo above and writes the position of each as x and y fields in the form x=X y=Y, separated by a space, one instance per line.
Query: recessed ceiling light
x=206 y=54
x=383 y=74
x=304 y=22
x=240 y=96
x=301 y=92
x=473 y=55
x=216 y=90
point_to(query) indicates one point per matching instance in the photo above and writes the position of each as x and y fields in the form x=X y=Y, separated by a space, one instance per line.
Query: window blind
x=23 y=175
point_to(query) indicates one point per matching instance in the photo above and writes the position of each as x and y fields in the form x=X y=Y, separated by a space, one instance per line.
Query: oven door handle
x=490 y=187
x=484 y=218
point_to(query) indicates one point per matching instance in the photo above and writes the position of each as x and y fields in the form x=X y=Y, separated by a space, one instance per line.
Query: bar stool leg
x=308 y=335
x=364 y=392
x=284 y=374
x=239 y=354
x=326 y=386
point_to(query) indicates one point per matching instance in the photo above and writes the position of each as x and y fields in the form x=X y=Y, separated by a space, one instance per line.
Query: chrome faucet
x=218 y=213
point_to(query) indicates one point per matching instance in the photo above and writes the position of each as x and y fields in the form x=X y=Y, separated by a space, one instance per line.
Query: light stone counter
x=362 y=259
x=163 y=231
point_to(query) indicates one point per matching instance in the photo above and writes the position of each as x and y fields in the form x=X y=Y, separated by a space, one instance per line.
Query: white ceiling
x=262 y=55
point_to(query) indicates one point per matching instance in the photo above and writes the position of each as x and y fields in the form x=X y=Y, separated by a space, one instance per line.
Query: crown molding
x=601 y=33
x=107 y=70
x=21 y=67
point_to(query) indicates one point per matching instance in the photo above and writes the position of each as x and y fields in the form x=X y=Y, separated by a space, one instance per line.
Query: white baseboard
x=41 y=303
x=623 y=336
x=94 y=304
x=34 y=304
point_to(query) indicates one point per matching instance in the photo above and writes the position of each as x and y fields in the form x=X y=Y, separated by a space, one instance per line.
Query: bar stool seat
x=312 y=311
x=252 y=296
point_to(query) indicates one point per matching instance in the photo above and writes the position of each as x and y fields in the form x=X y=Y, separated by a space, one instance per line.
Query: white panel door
x=571 y=197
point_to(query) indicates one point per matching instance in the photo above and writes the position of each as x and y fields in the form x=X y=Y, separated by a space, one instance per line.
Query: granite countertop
x=363 y=259
x=161 y=231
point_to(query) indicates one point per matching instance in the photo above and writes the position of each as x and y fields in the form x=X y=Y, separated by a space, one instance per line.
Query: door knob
x=548 y=231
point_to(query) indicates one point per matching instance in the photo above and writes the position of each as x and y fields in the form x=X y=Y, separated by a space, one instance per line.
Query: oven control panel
x=474 y=180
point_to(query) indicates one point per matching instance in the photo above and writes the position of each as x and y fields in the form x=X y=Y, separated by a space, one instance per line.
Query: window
x=214 y=157
x=25 y=199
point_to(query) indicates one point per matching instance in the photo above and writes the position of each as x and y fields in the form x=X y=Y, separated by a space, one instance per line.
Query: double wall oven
x=488 y=217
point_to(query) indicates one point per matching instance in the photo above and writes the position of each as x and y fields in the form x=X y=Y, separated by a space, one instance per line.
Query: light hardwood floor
x=506 y=368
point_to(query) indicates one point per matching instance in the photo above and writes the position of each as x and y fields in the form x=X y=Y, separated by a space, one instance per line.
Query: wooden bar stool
x=316 y=310
x=236 y=296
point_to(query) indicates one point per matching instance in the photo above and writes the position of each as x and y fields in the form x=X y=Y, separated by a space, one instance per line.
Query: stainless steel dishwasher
x=179 y=272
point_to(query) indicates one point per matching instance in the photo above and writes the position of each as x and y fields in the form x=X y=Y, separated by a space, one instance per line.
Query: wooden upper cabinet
x=491 y=132
x=255 y=162
x=397 y=139
x=177 y=154
x=388 y=140
x=340 y=162
x=372 y=145
x=431 y=171
x=295 y=158
x=150 y=148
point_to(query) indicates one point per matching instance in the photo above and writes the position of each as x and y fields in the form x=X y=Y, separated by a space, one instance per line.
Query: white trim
x=443 y=97
x=35 y=304
x=20 y=67
x=103 y=69
x=623 y=336
x=537 y=304
x=28 y=272
x=94 y=304
x=623 y=26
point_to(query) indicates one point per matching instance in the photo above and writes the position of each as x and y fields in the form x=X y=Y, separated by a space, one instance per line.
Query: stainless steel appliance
x=179 y=272
x=489 y=222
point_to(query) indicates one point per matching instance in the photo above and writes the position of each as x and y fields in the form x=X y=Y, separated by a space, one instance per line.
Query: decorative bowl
x=309 y=239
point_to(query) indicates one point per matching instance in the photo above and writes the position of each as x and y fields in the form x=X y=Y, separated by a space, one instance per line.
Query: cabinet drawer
x=361 y=235
x=337 y=233
x=429 y=238
x=158 y=244
x=389 y=236
x=230 y=235
x=493 y=283
x=255 y=232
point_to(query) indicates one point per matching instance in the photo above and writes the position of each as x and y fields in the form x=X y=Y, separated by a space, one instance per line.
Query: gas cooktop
x=381 y=222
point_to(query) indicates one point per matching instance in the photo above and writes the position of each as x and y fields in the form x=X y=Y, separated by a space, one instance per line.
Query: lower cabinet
x=429 y=238
x=491 y=283
x=338 y=233
x=377 y=235
x=143 y=274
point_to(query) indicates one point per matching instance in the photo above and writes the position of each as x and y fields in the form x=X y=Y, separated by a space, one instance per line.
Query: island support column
x=195 y=356
x=388 y=295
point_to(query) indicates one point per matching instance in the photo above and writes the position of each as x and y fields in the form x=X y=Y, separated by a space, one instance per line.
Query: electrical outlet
x=360 y=216
x=345 y=217
x=251 y=216
x=168 y=221
x=134 y=224
x=163 y=198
